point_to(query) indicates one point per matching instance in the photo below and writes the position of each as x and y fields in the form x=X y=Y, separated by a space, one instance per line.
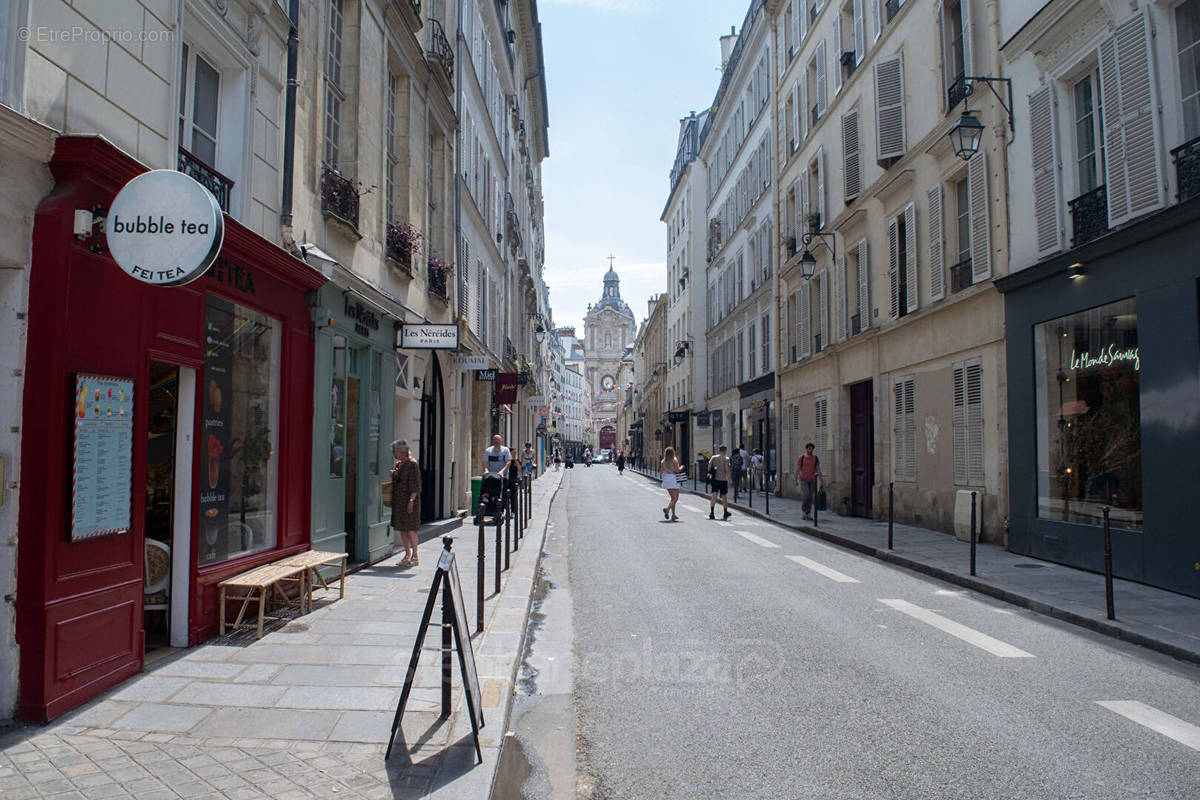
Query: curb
x=1105 y=627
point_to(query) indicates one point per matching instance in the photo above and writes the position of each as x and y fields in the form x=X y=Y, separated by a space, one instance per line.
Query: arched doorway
x=608 y=438
x=433 y=431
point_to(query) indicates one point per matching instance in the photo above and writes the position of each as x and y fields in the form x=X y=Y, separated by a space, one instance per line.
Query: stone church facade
x=609 y=330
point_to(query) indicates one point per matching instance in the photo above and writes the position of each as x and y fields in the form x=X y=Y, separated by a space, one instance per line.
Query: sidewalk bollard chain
x=1109 y=609
x=479 y=578
x=972 y=533
x=891 y=513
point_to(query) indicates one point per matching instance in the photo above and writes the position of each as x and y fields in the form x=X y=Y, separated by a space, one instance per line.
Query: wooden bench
x=262 y=584
x=311 y=562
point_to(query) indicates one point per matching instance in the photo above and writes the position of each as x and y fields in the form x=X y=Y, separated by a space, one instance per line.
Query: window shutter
x=898 y=449
x=889 y=106
x=968 y=62
x=974 y=423
x=850 y=155
x=894 y=265
x=875 y=18
x=795 y=416
x=981 y=251
x=795 y=143
x=864 y=294
x=801 y=109
x=937 y=245
x=823 y=307
x=860 y=31
x=821 y=432
x=799 y=22
x=1131 y=135
x=1046 y=199
x=804 y=330
x=837 y=53
x=839 y=298
x=910 y=257
x=910 y=429
x=791 y=328
x=822 y=85
x=820 y=199
x=798 y=216
x=960 y=425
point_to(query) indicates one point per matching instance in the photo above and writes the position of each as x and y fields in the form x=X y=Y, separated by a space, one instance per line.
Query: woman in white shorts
x=670 y=481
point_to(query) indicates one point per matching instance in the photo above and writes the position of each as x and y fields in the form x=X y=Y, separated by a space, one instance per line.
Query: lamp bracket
x=969 y=89
x=807 y=239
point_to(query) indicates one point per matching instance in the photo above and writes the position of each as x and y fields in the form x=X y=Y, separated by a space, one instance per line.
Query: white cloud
x=617 y=6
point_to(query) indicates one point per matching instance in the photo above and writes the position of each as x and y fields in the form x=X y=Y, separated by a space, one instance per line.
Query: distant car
x=597 y=459
x=605 y=455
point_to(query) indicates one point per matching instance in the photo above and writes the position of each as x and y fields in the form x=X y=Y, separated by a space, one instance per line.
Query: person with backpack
x=808 y=473
x=718 y=474
x=737 y=462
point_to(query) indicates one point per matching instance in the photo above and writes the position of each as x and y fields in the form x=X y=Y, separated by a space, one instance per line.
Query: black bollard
x=447 y=641
x=816 y=511
x=891 y=511
x=516 y=499
x=972 y=533
x=479 y=577
x=1108 y=572
x=499 y=549
x=507 y=511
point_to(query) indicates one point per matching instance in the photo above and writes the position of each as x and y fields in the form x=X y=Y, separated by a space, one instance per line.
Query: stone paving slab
x=306 y=711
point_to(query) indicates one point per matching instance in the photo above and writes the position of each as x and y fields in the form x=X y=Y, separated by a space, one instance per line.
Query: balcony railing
x=439 y=280
x=893 y=8
x=440 y=49
x=957 y=92
x=818 y=343
x=855 y=324
x=339 y=196
x=960 y=276
x=207 y=177
x=514 y=222
x=1089 y=215
x=1187 y=168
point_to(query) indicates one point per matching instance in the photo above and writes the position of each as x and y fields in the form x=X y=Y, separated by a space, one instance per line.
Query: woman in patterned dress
x=406 y=500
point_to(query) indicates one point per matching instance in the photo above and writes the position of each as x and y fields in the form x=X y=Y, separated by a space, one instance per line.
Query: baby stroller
x=491 y=497
x=570 y=462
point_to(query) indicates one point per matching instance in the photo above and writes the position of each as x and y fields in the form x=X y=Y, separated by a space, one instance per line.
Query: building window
x=753 y=342
x=1187 y=27
x=954 y=56
x=1089 y=443
x=968 y=423
x=199 y=99
x=390 y=146
x=904 y=429
x=962 y=221
x=241 y=432
x=1089 y=134
x=337 y=409
x=766 y=341
x=333 y=84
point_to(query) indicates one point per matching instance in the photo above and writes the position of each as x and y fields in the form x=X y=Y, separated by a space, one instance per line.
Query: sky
x=620 y=74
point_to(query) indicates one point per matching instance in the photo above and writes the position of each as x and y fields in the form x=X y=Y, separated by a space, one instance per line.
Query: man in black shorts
x=719 y=473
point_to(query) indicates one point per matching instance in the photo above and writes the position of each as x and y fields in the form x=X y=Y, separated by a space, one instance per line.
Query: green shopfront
x=354 y=411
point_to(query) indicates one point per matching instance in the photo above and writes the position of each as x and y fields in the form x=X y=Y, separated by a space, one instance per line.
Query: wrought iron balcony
x=957 y=92
x=1089 y=215
x=440 y=49
x=207 y=177
x=438 y=284
x=339 y=197
x=514 y=222
x=1187 y=168
x=893 y=8
x=960 y=276
x=818 y=343
x=855 y=324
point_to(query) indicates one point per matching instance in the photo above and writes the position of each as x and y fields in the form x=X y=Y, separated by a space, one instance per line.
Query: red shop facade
x=217 y=379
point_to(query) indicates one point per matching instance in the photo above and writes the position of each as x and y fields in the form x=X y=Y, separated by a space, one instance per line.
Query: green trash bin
x=476 y=490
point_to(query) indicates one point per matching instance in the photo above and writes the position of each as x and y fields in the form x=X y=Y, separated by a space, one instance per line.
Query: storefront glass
x=337 y=410
x=241 y=423
x=1088 y=414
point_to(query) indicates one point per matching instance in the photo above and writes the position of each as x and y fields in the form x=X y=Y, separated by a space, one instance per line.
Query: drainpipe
x=780 y=305
x=458 y=65
x=289 y=118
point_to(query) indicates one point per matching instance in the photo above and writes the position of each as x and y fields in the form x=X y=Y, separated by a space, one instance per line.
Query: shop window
x=337 y=410
x=376 y=413
x=241 y=424
x=1089 y=443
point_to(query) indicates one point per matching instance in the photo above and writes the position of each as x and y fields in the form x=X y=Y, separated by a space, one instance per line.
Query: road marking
x=821 y=569
x=697 y=509
x=1157 y=721
x=758 y=540
x=969 y=635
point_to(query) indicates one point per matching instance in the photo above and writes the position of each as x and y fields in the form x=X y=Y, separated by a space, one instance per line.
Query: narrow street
x=743 y=660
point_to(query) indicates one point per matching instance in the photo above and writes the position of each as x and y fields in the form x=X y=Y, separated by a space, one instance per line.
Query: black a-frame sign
x=454 y=615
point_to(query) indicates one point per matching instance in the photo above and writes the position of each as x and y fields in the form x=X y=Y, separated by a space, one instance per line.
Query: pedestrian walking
x=808 y=473
x=736 y=464
x=557 y=459
x=757 y=472
x=528 y=460
x=719 y=475
x=406 y=500
x=669 y=467
x=621 y=462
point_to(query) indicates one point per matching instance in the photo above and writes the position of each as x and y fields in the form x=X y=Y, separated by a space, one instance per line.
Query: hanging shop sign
x=164 y=228
x=471 y=362
x=535 y=400
x=102 y=474
x=701 y=419
x=429 y=336
x=504 y=390
x=485 y=374
x=675 y=417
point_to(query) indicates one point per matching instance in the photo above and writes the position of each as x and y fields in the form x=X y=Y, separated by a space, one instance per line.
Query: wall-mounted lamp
x=681 y=350
x=1076 y=271
x=808 y=262
x=967 y=133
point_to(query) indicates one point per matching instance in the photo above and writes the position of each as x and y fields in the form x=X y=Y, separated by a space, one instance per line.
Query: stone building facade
x=608 y=331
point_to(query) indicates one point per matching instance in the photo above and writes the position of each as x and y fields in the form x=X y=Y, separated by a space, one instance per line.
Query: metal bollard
x=891 y=511
x=516 y=497
x=499 y=550
x=1108 y=571
x=506 y=509
x=479 y=573
x=816 y=511
x=972 y=533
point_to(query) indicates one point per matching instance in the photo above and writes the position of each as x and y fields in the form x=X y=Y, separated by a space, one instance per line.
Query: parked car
x=606 y=455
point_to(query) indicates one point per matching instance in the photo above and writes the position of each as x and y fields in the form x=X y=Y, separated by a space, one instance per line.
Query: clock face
x=607 y=382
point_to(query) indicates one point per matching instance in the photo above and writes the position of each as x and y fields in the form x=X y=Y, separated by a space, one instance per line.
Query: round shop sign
x=164 y=228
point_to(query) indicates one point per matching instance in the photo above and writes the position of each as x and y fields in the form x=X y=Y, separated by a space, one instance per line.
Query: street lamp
x=808 y=262
x=681 y=349
x=539 y=333
x=967 y=133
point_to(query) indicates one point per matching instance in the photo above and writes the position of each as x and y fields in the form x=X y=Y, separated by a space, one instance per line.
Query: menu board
x=215 y=430
x=102 y=476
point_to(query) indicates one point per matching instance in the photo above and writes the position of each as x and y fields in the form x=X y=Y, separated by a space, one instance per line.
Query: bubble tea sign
x=164 y=228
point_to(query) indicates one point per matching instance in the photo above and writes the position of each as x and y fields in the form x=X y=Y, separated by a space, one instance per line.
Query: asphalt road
x=744 y=660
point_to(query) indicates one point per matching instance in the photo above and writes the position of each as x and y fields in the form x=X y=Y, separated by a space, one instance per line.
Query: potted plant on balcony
x=403 y=242
x=813 y=220
x=439 y=277
x=339 y=198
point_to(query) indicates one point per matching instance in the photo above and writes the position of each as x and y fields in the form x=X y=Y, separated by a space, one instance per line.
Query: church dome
x=611 y=298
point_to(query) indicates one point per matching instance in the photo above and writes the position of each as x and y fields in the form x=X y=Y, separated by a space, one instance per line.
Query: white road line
x=969 y=635
x=697 y=509
x=821 y=569
x=758 y=540
x=1157 y=721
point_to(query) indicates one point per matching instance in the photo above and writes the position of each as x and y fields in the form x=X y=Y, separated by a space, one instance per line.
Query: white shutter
x=799 y=21
x=851 y=172
x=910 y=257
x=1131 y=127
x=860 y=31
x=899 y=450
x=967 y=30
x=894 y=246
x=889 y=106
x=864 y=292
x=805 y=202
x=801 y=108
x=791 y=329
x=937 y=245
x=974 y=423
x=822 y=79
x=804 y=330
x=798 y=218
x=837 y=53
x=977 y=191
x=875 y=18
x=796 y=114
x=820 y=201
x=823 y=307
x=839 y=298
x=910 y=429
x=959 y=424
x=1043 y=147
